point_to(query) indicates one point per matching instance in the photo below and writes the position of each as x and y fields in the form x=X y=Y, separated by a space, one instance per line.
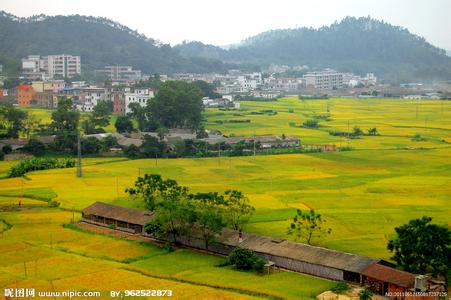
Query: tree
x=237 y=209
x=208 y=89
x=422 y=247
x=152 y=147
x=209 y=215
x=372 y=131
x=356 y=131
x=177 y=104
x=123 y=124
x=100 y=116
x=308 y=225
x=91 y=145
x=35 y=147
x=132 y=151
x=65 y=125
x=109 y=142
x=11 y=120
x=30 y=125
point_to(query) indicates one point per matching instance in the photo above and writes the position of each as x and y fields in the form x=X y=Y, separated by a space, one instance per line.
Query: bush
x=340 y=288
x=365 y=294
x=245 y=259
x=312 y=123
x=2 y=155
x=36 y=163
x=7 y=149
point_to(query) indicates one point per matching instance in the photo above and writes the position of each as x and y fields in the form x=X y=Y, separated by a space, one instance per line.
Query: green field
x=363 y=194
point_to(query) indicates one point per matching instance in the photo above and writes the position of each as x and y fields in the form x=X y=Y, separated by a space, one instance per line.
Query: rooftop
x=391 y=275
x=119 y=213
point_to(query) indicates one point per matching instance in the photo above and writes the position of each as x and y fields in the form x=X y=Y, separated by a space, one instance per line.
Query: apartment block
x=324 y=80
x=121 y=74
x=36 y=67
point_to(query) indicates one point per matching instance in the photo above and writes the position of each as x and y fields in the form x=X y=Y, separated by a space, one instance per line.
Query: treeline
x=40 y=163
x=179 y=213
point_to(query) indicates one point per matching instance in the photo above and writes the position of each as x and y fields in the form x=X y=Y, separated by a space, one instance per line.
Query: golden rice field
x=384 y=182
x=37 y=252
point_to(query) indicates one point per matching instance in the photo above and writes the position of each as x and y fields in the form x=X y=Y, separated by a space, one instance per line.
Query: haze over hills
x=353 y=45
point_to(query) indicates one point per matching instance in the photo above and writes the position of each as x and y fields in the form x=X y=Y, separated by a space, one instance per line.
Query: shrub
x=417 y=137
x=7 y=149
x=38 y=163
x=365 y=294
x=312 y=123
x=2 y=155
x=341 y=288
x=245 y=259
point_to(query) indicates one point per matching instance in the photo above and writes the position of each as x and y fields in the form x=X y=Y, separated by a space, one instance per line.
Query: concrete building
x=36 y=67
x=121 y=74
x=118 y=103
x=140 y=96
x=90 y=97
x=25 y=95
x=324 y=80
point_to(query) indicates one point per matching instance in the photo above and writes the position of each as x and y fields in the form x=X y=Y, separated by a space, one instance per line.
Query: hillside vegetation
x=99 y=42
x=353 y=45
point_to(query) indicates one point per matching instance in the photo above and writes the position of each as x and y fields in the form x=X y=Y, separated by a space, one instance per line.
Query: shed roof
x=24 y=87
x=119 y=213
x=391 y=275
x=302 y=252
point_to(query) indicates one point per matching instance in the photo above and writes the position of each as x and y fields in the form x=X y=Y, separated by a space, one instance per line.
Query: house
x=25 y=95
x=140 y=96
x=119 y=218
x=118 y=103
x=43 y=99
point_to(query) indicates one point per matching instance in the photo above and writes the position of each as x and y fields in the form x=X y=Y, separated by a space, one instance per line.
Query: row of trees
x=180 y=213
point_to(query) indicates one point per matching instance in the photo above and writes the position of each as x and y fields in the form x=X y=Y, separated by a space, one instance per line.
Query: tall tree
x=65 y=125
x=123 y=124
x=237 y=209
x=422 y=247
x=307 y=226
x=177 y=104
x=11 y=120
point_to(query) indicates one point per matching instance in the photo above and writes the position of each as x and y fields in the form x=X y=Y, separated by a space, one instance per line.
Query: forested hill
x=98 y=41
x=357 y=45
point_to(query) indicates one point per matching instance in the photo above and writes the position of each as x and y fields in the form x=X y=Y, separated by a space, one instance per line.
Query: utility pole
x=79 y=172
x=254 y=143
x=219 y=154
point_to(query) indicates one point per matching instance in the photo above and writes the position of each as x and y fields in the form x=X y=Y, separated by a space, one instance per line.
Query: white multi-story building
x=250 y=81
x=140 y=96
x=50 y=66
x=324 y=80
x=120 y=73
x=90 y=97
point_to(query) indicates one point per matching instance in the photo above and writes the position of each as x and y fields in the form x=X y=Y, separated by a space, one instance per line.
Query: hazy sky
x=224 y=22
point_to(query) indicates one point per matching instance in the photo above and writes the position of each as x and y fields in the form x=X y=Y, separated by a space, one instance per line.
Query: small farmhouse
x=120 y=218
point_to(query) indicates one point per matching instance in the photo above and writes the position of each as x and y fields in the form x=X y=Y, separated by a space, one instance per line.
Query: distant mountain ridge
x=99 y=41
x=355 y=45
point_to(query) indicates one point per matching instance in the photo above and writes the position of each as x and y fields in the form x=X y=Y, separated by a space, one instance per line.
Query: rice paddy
x=385 y=181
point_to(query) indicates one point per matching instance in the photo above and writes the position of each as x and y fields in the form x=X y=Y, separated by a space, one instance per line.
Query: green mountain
x=99 y=42
x=353 y=45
